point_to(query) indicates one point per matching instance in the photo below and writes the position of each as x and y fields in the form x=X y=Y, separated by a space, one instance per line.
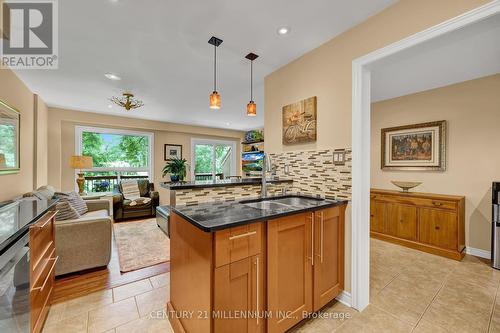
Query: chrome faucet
x=266 y=167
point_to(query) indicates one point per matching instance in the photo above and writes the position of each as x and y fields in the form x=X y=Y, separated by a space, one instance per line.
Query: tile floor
x=410 y=291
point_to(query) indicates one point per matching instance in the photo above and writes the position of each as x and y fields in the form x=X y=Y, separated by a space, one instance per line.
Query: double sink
x=280 y=202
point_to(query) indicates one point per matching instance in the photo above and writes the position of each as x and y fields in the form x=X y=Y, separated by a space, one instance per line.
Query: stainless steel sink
x=268 y=204
x=295 y=201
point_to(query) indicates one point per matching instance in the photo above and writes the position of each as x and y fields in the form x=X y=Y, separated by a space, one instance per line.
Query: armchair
x=122 y=208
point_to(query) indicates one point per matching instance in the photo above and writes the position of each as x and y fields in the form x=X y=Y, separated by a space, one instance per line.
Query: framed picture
x=10 y=120
x=299 y=122
x=172 y=151
x=414 y=147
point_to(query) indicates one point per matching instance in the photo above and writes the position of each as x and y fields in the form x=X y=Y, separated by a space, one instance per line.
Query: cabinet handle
x=42 y=287
x=401 y=221
x=435 y=203
x=246 y=234
x=322 y=236
x=312 y=239
x=436 y=227
x=257 y=287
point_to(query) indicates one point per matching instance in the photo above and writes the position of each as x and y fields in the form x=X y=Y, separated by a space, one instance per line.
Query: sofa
x=82 y=243
x=123 y=209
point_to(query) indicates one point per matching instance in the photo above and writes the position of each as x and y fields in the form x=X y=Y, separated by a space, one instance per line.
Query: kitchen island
x=257 y=265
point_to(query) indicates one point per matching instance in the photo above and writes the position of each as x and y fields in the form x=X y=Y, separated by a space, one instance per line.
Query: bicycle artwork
x=299 y=122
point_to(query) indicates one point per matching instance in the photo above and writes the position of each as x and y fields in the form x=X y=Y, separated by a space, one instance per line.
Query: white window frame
x=198 y=141
x=103 y=130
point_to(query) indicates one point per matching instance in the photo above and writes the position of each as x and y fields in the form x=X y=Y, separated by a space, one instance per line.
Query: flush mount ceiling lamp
x=112 y=77
x=127 y=101
x=282 y=31
x=251 y=106
x=214 y=96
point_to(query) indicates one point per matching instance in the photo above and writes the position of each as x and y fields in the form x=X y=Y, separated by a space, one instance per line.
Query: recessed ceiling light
x=283 y=31
x=112 y=76
x=110 y=106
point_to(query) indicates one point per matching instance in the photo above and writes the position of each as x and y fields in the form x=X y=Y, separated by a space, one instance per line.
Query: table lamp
x=79 y=163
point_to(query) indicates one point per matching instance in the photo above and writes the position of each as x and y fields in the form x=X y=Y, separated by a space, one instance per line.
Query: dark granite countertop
x=17 y=216
x=222 y=215
x=220 y=183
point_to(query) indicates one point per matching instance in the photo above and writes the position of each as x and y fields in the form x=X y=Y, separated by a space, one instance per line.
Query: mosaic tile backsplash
x=314 y=172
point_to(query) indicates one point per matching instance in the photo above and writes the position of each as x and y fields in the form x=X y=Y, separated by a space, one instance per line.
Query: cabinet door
x=438 y=227
x=329 y=260
x=406 y=223
x=239 y=292
x=289 y=281
x=377 y=209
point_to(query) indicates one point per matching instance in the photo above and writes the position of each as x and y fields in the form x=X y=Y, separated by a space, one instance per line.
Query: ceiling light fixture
x=214 y=96
x=251 y=106
x=283 y=31
x=127 y=101
x=112 y=76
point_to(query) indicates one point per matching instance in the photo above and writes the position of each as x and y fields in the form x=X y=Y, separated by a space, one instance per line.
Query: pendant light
x=251 y=106
x=214 y=96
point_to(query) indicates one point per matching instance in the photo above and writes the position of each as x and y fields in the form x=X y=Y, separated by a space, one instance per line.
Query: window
x=213 y=159
x=117 y=155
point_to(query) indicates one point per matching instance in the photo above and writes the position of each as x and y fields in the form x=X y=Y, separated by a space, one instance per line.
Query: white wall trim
x=344 y=298
x=361 y=104
x=478 y=252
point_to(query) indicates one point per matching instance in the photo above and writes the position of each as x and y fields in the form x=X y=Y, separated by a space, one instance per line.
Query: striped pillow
x=66 y=212
x=75 y=200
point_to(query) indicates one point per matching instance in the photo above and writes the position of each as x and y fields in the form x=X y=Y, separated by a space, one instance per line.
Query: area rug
x=140 y=244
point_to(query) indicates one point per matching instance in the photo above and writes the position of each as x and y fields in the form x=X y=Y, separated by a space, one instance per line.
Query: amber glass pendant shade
x=215 y=100
x=251 y=109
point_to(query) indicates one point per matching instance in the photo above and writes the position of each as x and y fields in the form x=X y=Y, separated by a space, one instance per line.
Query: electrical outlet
x=339 y=157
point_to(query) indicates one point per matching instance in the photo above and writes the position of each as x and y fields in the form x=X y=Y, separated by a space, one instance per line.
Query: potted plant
x=176 y=167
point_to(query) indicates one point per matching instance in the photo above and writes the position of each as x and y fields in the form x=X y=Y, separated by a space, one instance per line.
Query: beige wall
x=16 y=94
x=326 y=73
x=62 y=141
x=472 y=112
x=41 y=118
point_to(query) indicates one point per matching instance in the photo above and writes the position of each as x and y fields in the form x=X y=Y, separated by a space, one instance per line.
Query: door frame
x=201 y=141
x=361 y=137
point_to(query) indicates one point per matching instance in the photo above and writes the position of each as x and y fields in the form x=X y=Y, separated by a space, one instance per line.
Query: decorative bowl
x=405 y=186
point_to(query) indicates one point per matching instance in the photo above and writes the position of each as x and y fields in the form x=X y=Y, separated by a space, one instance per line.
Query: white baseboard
x=478 y=252
x=344 y=298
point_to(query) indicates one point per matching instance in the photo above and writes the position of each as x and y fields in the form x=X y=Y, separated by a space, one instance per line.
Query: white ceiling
x=160 y=49
x=467 y=54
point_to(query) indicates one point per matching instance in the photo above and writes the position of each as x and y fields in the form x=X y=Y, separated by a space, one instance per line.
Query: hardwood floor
x=82 y=283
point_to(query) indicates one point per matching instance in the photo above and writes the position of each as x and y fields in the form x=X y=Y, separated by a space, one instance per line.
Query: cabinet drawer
x=237 y=243
x=438 y=228
x=41 y=238
x=421 y=202
x=41 y=290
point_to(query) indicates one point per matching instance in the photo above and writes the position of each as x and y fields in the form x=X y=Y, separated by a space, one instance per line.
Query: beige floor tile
x=86 y=303
x=76 y=324
x=379 y=278
x=55 y=313
x=426 y=327
x=155 y=299
x=406 y=299
x=113 y=315
x=161 y=280
x=373 y=319
x=146 y=325
x=131 y=289
x=461 y=307
x=330 y=319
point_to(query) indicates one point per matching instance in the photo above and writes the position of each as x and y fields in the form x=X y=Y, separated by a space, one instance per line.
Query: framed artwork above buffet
x=417 y=147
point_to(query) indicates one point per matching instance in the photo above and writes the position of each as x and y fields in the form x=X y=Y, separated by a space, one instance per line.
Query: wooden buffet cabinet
x=42 y=267
x=259 y=277
x=432 y=223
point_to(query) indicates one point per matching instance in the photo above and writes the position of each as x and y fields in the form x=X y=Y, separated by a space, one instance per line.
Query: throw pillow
x=75 y=200
x=66 y=212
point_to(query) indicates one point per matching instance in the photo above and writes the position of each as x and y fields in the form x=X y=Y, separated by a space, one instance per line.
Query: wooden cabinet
x=329 y=264
x=290 y=270
x=239 y=289
x=42 y=264
x=429 y=222
x=306 y=264
x=256 y=278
